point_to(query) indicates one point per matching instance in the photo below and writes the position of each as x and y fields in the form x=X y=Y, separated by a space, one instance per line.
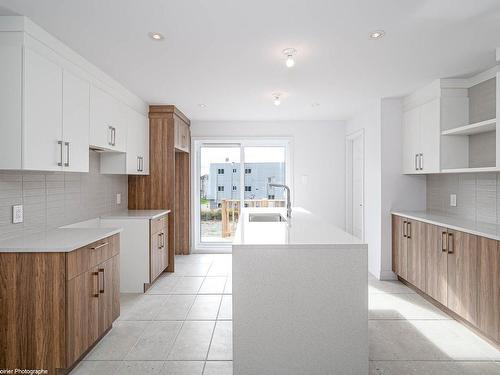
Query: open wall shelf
x=471 y=129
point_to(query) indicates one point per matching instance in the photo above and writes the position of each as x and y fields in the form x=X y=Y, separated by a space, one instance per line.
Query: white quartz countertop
x=491 y=231
x=59 y=240
x=304 y=228
x=136 y=214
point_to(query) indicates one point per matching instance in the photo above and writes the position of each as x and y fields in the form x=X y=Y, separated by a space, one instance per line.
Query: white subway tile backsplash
x=52 y=199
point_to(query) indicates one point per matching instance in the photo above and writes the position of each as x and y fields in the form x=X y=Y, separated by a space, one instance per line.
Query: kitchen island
x=300 y=296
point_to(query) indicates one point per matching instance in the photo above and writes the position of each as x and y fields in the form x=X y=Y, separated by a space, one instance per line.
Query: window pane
x=264 y=165
x=219 y=192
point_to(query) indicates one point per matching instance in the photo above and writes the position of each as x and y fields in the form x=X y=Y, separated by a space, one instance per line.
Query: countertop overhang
x=491 y=231
x=303 y=228
x=136 y=214
x=60 y=240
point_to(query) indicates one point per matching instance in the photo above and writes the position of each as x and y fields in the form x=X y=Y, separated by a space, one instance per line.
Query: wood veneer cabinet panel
x=489 y=287
x=82 y=307
x=182 y=206
x=168 y=180
x=462 y=275
x=32 y=308
x=416 y=253
x=436 y=268
x=397 y=231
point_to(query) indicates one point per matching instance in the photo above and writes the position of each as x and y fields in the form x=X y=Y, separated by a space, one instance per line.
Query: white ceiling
x=227 y=53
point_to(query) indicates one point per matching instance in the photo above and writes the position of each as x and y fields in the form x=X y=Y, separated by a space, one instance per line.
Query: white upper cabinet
x=54 y=105
x=421 y=138
x=136 y=160
x=42 y=114
x=108 y=129
x=76 y=119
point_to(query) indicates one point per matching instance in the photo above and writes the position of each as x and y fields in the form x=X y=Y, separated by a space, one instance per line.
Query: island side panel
x=300 y=310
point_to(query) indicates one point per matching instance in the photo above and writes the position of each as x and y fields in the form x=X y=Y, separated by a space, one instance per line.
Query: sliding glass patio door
x=229 y=176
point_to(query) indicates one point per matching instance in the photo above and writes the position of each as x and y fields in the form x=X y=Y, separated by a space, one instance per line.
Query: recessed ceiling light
x=201 y=105
x=156 y=36
x=290 y=53
x=277 y=98
x=314 y=105
x=377 y=34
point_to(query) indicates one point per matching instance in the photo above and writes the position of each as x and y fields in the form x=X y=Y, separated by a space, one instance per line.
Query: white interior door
x=355 y=185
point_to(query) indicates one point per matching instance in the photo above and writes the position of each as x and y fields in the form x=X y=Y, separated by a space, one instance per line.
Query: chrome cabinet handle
x=416 y=162
x=67 y=154
x=113 y=136
x=138 y=163
x=60 y=162
x=141 y=164
x=408 y=230
x=110 y=135
x=421 y=161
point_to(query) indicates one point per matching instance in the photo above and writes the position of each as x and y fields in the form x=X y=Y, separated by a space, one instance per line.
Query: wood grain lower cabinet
x=461 y=272
x=489 y=287
x=55 y=306
x=399 y=246
x=462 y=275
x=436 y=263
x=159 y=247
x=416 y=235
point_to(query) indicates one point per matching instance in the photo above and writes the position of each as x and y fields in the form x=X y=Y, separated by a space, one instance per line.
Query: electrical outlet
x=17 y=214
x=118 y=198
x=453 y=200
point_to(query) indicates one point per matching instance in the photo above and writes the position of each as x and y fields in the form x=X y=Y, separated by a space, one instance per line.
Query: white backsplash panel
x=478 y=195
x=52 y=199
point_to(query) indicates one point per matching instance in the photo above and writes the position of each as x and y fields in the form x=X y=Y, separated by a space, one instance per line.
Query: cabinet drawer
x=159 y=224
x=84 y=258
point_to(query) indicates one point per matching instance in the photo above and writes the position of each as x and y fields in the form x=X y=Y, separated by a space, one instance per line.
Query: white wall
x=318 y=152
x=398 y=191
x=386 y=188
x=369 y=120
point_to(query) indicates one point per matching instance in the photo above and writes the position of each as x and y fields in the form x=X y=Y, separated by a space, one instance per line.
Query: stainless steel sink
x=265 y=218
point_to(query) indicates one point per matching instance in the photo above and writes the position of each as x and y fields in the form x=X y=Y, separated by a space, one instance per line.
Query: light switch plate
x=17 y=214
x=118 y=198
x=453 y=200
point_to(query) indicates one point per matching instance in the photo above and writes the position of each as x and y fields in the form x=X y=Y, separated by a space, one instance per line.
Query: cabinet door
x=145 y=141
x=489 y=287
x=154 y=255
x=416 y=253
x=397 y=236
x=462 y=275
x=42 y=115
x=106 y=295
x=430 y=134
x=82 y=309
x=119 y=120
x=177 y=133
x=410 y=140
x=76 y=117
x=436 y=266
x=100 y=118
x=134 y=143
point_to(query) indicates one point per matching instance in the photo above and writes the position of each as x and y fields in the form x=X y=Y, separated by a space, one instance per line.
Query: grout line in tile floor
x=212 y=337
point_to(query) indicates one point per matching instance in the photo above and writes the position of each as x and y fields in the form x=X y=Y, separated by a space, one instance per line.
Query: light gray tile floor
x=183 y=326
